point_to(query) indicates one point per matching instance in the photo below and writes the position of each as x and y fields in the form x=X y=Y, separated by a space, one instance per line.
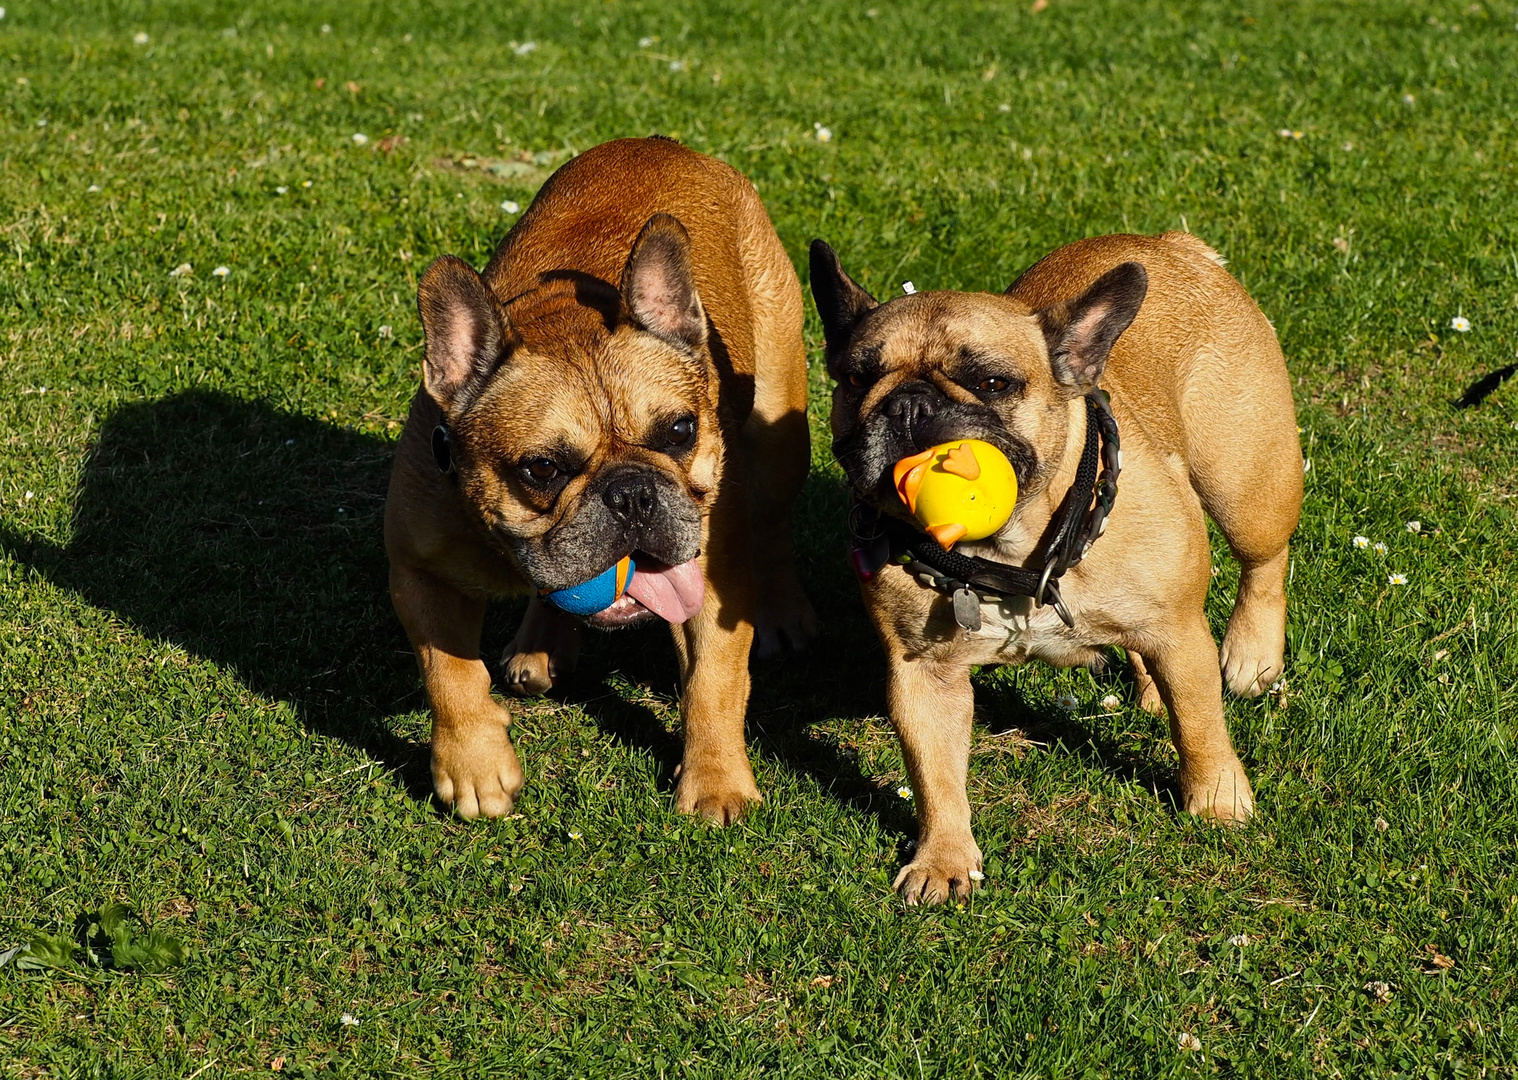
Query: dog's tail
x=1193 y=245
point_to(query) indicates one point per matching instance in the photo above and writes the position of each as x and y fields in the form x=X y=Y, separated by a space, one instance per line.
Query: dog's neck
x=1033 y=518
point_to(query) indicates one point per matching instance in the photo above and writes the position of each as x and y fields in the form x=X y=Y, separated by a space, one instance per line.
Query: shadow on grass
x=1043 y=721
x=252 y=537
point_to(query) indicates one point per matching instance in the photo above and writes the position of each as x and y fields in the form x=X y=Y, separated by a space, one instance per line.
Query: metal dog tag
x=967 y=609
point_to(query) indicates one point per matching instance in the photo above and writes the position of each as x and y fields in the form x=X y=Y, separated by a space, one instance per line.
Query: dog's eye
x=856 y=380
x=995 y=384
x=682 y=431
x=541 y=470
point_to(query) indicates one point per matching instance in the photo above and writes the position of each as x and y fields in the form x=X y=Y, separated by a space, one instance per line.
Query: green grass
x=209 y=713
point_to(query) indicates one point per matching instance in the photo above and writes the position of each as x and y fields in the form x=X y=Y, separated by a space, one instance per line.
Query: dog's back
x=1202 y=373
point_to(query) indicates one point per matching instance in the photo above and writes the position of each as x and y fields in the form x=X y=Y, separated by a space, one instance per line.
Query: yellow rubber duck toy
x=961 y=490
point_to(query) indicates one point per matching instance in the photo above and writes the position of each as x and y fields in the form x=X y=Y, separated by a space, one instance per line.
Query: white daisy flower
x=1005 y=106
x=904 y=791
x=1415 y=526
x=1068 y=702
x=510 y=207
x=1379 y=548
x=525 y=47
x=1408 y=99
x=305 y=183
x=976 y=875
x=1288 y=133
x=140 y=38
x=359 y=138
x=182 y=270
x=823 y=134
x=326 y=28
x=221 y=271
x=575 y=834
x=28 y=496
x=677 y=65
x=1361 y=542
x=1460 y=324
x=2 y=13
x=281 y=190
x=93 y=187
x=348 y=1020
x=1396 y=579
x=645 y=42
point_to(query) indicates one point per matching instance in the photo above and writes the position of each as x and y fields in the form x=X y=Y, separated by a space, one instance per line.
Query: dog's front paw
x=476 y=772
x=1221 y=794
x=722 y=796
x=940 y=872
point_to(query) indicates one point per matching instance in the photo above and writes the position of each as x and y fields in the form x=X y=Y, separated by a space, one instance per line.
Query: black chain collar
x=972 y=580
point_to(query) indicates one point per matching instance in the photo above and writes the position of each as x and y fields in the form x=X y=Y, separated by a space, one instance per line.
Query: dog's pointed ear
x=466 y=335
x=1080 y=333
x=659 y=286
x=841 y=302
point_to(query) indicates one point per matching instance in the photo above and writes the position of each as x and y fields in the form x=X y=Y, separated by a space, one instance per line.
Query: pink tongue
x=674 y=593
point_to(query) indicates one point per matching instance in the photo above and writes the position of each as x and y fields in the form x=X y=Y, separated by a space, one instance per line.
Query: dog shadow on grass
x=252 y=537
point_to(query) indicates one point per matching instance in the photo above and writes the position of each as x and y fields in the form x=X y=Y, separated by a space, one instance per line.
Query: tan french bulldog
x=627 y=378
x=1200 y=395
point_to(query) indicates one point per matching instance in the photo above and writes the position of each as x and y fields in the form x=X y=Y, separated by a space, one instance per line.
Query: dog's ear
x=466 y=336
x=1080 y=333
x=659 y=287
x=841 y=302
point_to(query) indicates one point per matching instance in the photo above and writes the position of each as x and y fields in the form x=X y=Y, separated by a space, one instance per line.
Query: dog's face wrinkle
x=595 y=401
x=989 y=372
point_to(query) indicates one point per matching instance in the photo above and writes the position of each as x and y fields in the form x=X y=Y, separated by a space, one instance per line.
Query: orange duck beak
x=908 y=475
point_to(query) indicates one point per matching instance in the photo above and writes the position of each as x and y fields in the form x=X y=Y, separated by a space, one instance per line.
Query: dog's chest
x=1013 y=631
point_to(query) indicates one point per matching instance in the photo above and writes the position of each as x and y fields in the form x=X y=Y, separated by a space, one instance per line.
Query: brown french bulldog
x=1200 y=394
x=626 y=378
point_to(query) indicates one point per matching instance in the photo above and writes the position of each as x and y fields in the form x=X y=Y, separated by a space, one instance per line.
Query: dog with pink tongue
x=625 y=379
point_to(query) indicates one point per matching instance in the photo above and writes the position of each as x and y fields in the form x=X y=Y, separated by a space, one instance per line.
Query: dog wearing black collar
x=1182 y=362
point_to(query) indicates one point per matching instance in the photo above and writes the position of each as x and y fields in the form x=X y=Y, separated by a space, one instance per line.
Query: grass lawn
x=208 y=712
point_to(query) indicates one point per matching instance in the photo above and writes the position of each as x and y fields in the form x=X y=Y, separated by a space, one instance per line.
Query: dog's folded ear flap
x=659 y=286
x=466 y=337
x=1080 y=333
x=841 y=302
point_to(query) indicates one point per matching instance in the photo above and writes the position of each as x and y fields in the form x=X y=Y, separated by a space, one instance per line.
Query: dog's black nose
x=910 y=404
x=631 y=498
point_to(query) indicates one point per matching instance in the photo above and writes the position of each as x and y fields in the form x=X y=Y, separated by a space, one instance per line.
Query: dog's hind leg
x=1254 y=648
x=1257 y=507
x=1246 y=466
x=546 y=648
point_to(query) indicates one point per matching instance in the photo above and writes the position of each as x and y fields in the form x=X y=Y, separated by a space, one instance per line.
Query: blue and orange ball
x=597 y=594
